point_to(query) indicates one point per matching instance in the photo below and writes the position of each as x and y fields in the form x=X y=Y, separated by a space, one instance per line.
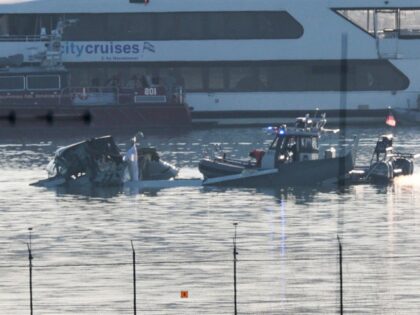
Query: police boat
x=293 y=158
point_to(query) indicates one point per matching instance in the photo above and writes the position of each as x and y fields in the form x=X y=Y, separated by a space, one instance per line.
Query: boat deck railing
x=106 y=95
x=24 y=38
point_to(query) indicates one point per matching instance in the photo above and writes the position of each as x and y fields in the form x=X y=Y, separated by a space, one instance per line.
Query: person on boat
x=131 y=158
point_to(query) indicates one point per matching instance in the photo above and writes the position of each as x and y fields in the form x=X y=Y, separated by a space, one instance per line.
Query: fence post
x=134 y=279
x=341 y=275
x=234 y=270
x=30 y=257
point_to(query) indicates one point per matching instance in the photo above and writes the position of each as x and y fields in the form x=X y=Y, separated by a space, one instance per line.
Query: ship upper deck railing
x=24 y=38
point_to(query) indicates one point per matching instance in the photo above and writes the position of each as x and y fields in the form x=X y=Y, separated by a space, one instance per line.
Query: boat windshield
x=308 y=144
x=279 y=141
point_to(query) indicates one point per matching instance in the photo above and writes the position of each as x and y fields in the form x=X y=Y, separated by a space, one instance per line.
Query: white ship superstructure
x=239 y=61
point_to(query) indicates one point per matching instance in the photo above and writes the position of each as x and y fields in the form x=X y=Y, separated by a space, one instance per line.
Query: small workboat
x=100 y=162
x=385 y=164
x=293 y=158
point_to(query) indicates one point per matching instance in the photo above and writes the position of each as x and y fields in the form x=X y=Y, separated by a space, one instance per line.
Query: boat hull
x=141 y=116
x=220 y=167
x=289 y=174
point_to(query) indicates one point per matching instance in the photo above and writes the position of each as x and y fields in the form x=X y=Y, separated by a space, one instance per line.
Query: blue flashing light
x=282 y=131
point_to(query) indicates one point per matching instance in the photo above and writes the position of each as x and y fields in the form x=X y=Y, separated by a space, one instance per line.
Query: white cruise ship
x=239 y=61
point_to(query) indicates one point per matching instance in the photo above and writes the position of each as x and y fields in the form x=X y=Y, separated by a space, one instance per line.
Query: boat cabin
x=291 y=145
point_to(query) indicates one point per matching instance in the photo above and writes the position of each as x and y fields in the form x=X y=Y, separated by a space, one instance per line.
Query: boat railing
x=342 y=145
x=213 y=151
x=92 y=95
x=91 y=89
x=110 y=95
x=24 y=38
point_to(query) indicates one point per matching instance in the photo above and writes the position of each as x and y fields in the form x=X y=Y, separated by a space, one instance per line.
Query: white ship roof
x=121 y=6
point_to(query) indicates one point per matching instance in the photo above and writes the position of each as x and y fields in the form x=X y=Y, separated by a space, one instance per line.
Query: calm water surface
x=287 y=238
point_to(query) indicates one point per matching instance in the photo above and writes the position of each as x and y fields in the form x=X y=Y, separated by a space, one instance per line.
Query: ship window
x=43 y=82
x=137 y=27
x=190 y=26
x=157 y=26
x=362 y=18
x=22 y=24
x=241 y=25
x=269 y=76
x=45 y=23
x=385 y=23
x=90 y=27
x=192 y=78
x=410 y=23
x=216 y=78
x=287 y=76
x=167 y=26
x=4 y=25
x=214 y=25
x=12 y=83
x=27 y=25
x=245 y=79
x=183 y=26
x=241 y=78
x=277 y=25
